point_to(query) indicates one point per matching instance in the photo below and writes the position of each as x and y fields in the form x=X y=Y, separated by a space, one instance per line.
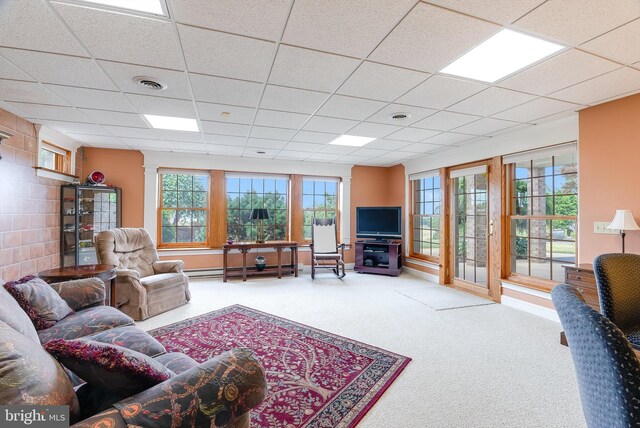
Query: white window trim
x=48 y=136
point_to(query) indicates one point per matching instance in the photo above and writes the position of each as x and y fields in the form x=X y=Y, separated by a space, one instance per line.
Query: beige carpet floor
x=475 y=366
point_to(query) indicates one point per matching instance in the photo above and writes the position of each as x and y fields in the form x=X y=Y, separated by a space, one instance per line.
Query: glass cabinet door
x=69 y=221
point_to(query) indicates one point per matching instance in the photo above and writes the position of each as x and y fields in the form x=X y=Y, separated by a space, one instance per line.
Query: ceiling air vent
x=400 y=116
x=150 y=83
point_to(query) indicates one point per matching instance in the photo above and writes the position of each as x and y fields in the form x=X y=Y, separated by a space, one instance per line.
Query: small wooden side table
x=582 y=276
x=103 y=272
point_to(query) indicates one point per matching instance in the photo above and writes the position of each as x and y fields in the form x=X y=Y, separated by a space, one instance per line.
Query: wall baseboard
x=424 y=275
x=540 y=311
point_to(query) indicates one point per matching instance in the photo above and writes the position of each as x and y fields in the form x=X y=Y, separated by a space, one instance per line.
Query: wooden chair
x=326 y=253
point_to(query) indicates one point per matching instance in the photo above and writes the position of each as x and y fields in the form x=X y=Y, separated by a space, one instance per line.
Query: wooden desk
x=245 y=247
x=103 y=272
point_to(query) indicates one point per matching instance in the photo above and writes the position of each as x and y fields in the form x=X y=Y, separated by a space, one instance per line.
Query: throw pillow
x=28 y=375
x=109 y=367
x=41 y=303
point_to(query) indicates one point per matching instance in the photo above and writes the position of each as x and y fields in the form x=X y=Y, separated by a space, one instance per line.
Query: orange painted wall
x=124 y=169
x=609 y=156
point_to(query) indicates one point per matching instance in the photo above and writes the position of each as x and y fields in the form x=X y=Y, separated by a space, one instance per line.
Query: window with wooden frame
x=425 y=215
x=319 y=200
x=54 y=158
x=248 y=191
x=183 y=212
x=542 y=189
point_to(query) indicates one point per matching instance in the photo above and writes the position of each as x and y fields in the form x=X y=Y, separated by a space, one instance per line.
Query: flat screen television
x=379 y=222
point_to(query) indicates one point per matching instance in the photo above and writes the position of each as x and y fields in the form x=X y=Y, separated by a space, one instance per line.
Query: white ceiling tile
x=225 y=91
x=445 y=121
x=417 y=113
x=280 y=119
x=123 y=74
x=96 y=140
x=448 y=138
x=420 y=148
x=225 y=140
x=491 y=101
x=536 y=109
x=128 y=132
x=307 y=69
x=412 y=134
x=123 y=37
x=303 y=147
x=47 y=32
x=375 y=130
x=316 y=137
x=272 y=133
x=568 y=68
x=500 y=11
x=115 y=118
x=292 y=154
x=351 y=159
x=440 y=92
x=381 y=82
x=244 y=58
x=167 y=146
x=209 y=111
x=345 y=27
x=222 y=128
x=486 y=126
x=61 y=69
x=324 y=157
x=429 y=38
x=162 y=106
x=231 y=16
x=387 y=144
x=335 y=149
x=28 y=92
x=10 y=71
x=576 y=21
x=93 y=98
x=264 y=143
x=44 y=112
x=509 y=130
x=76 y=128
x=397 y=156
x=179 y=136
x=225 y=150
x=621 y=44
x=252 y=152
x=293 y=100
x=369 y=152
x=609 y=85
x=557 y=116
x=350 y=107
x=329 y=124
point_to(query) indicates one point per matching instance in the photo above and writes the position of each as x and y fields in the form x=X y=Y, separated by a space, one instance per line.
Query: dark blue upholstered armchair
x=618 y=282
x=607 y=369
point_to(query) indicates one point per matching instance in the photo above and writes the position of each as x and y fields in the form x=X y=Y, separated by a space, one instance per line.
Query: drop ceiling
x=287 y=77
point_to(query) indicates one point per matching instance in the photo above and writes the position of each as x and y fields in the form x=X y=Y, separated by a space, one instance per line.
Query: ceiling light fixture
x=172 y=123
x=500 y=55
x=150 y=83
x=351 y=140
x=149 y=6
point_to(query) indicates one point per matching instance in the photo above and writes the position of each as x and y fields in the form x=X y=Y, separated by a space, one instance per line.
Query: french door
x=470 y=227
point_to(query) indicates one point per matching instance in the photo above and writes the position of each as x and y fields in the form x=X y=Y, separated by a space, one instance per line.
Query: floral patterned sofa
x=219 y=392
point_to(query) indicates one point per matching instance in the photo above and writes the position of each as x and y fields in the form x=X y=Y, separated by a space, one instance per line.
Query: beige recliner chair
x=145 y=286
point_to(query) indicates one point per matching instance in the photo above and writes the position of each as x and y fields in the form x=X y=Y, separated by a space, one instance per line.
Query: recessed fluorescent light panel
x=351 y=140
x=149 y=6
x=172 y=123
x=501 y=55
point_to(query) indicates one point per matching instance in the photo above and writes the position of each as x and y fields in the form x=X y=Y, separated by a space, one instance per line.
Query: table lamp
x=623 y=221
x=260 y=214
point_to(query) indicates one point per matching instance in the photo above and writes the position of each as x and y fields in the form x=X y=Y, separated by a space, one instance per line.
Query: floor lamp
x=260 y=214
x=623 y=221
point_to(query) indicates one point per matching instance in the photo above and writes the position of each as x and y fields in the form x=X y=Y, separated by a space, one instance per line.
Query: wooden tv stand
x=383 y=257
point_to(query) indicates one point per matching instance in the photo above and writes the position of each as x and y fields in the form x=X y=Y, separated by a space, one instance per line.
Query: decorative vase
x=261 y=262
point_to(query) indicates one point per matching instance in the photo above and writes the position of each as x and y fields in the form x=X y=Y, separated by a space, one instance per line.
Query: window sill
x=538 y=284
x=55 y=175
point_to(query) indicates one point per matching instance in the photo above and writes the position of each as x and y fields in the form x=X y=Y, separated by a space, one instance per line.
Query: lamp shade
x=260 y=214
x=623 y=220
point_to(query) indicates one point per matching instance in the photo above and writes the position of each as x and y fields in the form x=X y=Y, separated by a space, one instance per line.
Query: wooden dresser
x=582 y=276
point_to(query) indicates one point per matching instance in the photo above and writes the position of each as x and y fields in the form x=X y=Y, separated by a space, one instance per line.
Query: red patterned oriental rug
x=315 y=378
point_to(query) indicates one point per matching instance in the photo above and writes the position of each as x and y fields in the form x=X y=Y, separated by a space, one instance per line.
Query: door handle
x=490 y=229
